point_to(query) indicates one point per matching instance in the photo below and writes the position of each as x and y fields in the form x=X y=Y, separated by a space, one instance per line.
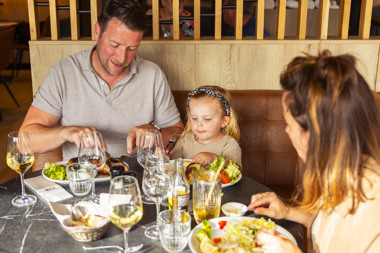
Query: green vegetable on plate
x=232 y=169
x=54 y=171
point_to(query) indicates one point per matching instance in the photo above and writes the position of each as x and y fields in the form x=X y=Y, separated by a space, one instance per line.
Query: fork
x=85 y=248
x=173 y=139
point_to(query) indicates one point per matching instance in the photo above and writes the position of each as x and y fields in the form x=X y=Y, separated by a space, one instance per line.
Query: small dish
x=234 y=209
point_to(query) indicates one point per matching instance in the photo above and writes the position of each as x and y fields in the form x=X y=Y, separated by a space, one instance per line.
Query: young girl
x=211 y=129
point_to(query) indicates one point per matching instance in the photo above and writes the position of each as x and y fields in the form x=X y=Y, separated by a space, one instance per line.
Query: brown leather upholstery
x=268 y=155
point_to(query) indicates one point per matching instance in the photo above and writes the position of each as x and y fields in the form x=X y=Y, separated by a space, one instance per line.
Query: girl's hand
x=269 y=204
x=274 y=242
x=205 y=158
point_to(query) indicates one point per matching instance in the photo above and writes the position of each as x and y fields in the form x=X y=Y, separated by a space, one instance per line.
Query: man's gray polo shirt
x=80 y=97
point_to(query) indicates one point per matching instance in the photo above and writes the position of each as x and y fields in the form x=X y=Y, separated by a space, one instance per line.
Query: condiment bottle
x=181 y=188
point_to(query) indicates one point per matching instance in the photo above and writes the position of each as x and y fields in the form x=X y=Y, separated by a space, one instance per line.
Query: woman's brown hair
x=330 y=99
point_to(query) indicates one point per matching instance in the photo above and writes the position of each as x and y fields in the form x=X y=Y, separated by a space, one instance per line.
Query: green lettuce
x=54 y=171
x=233 y=169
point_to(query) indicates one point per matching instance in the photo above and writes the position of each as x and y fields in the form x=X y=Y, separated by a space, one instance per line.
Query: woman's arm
x=271 y=205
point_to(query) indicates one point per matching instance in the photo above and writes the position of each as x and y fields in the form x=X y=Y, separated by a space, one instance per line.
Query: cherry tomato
x=225 y=177
x=222 y=224
x=216 y=240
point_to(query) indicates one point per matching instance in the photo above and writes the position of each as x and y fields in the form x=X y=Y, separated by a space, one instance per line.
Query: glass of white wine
x=20 y=158
x=126 y=208
x=92 y=158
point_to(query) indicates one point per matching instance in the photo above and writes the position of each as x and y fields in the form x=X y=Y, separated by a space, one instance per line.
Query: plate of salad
x=56 y=172
x=231 y=234
x=231 y=172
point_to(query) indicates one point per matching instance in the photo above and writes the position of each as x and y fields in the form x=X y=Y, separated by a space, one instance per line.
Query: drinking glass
x=156 y=184
x=146 y=145
x=79 y=179
x=91 y=158
x=207 y=189
x=20 y=158
x=126 y=208
x=174 y=228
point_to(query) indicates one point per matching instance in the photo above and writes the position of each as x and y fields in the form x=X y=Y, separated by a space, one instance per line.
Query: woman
x=334 y=124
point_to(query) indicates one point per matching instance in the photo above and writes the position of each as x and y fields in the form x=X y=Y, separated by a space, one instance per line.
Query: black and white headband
x=212 y=93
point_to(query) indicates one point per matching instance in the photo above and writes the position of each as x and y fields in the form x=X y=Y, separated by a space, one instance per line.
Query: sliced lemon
x=207 y=246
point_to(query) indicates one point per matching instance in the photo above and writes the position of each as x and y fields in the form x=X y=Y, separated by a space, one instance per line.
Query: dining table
x=35 y=228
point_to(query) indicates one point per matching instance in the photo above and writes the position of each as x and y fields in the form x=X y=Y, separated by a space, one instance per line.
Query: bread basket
x=81 y=234
x=84 y=221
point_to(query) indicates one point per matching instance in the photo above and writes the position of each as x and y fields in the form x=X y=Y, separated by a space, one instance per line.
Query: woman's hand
x=274 y=242
x=270 y=205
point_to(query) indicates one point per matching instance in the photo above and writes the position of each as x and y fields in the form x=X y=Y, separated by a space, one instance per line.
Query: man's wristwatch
x=157 y=127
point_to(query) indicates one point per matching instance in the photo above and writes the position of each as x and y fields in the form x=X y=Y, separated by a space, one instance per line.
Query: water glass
x=174 y=228
x=207 y=189
x=79 y=179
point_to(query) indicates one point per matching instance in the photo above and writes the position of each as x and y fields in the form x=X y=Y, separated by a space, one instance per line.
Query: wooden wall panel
x=212 y=64
x=259 y=66
x=183 y=75
x=245 y=64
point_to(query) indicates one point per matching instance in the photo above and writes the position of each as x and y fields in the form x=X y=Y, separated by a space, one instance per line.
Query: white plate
x=223 y=185
x=236 y=180
x=217 y=232
x=98 y=178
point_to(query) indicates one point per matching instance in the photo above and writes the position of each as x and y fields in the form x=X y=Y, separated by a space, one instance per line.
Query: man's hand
x=73 y=133
x=134 y=136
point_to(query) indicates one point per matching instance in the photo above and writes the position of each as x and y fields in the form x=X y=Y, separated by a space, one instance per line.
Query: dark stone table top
x=35 y=229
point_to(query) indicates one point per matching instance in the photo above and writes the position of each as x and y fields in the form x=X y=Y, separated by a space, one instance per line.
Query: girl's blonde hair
x=232 y=128
x=330 y=99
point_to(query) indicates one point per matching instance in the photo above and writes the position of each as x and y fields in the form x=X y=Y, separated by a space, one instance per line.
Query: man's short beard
x=105 y=67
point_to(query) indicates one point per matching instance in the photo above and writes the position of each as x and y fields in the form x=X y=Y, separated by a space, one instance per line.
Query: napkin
x=49 y=191
x=63 y=212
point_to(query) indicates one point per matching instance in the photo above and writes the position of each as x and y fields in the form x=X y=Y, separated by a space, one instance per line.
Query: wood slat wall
x=364 y=25
x=232 y=62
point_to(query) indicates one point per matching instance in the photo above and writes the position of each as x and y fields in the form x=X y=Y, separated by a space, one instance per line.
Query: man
x=108 y=89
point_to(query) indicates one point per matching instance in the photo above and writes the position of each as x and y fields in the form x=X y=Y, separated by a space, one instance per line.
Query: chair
x=20 y=44
x=6 y=41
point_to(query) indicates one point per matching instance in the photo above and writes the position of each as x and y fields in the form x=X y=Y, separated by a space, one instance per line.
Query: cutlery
x=172 y=140
x=85 y=248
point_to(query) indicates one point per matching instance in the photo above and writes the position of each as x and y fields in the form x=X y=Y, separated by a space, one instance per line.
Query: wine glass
x=156 y=183
x=145 y=146
x=20 y=158
x=92 y=158
x=125 y=204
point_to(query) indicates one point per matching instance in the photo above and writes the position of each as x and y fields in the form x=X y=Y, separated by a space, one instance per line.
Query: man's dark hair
x=130 y=12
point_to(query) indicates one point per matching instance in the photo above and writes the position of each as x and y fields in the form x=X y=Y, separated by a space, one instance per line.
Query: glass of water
x=79 y=179
x=174 y=228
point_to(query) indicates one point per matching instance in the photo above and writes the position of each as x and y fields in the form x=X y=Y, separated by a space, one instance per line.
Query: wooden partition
x=236 y=62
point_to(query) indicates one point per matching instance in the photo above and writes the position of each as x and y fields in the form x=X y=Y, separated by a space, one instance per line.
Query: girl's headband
x=212 y=93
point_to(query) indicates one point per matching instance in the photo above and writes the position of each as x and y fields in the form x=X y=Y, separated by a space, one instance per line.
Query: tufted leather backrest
x=268 y=155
